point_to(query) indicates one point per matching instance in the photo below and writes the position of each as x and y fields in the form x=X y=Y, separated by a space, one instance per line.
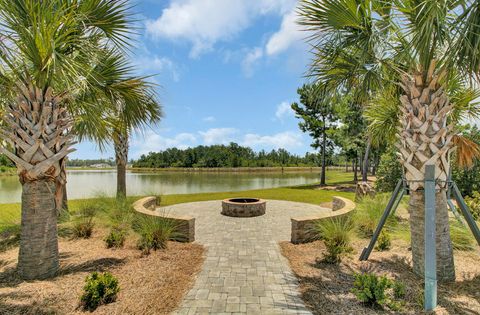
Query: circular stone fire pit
x=243 y=207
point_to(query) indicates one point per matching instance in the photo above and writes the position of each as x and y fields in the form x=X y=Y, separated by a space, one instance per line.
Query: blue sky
x=227 y=70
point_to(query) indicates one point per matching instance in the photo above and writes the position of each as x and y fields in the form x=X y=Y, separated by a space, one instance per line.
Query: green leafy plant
x=399 y=290
x=336 y=234
x=378 y=291
x=462 y=238
x=384 y=241
x=368 y=213
x=99 y=289
x=473 y=204
x=154 y=232
x=389 y=171
x=116 y=238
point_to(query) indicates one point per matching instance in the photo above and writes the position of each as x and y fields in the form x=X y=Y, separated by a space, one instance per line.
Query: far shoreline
x=276 y=169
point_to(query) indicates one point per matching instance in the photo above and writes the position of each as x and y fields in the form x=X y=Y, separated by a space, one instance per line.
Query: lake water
x=84 y=184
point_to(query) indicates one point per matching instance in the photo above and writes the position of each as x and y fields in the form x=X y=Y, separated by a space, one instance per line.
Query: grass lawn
x=10 y=213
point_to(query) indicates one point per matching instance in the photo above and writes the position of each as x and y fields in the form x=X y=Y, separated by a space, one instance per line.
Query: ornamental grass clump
x=368 y=213
x=99 y=289
x=154 y=232
x=116 y=237
x=336 y=234
x=461 y=236
x=83 y=222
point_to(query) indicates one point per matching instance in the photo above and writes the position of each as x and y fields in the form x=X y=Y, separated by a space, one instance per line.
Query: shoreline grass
x=305 y=194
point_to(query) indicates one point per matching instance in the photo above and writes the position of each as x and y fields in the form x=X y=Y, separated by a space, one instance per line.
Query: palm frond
x=467 y=151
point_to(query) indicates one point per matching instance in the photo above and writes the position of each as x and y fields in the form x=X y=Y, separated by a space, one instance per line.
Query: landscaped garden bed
x=333 y=279
x=149 y=284
x=326 y=288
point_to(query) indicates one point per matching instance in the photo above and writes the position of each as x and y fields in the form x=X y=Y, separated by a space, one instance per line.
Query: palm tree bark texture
x=426 y=139
x=120 y=142
x=38 y=127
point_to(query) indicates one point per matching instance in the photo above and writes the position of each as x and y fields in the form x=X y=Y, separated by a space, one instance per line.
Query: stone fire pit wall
x=243 y=207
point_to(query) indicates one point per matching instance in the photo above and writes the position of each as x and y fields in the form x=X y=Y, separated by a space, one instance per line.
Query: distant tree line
x=89 y=162
x=232 y=155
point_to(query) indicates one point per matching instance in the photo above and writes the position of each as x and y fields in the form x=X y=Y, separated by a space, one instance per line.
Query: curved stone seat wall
x=185 y=224
x=303 y=227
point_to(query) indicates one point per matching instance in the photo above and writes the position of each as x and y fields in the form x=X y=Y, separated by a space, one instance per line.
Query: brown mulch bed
x=153 y=284
x=326 y=288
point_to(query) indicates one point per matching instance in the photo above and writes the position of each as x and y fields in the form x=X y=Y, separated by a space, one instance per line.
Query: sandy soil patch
x=153 y=284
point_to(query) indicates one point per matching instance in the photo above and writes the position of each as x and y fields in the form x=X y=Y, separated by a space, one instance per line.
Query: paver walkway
x=244 y=271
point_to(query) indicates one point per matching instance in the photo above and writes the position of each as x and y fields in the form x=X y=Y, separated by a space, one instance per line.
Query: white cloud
x=204 y=23
x=289 y=34
x=158 y=64
x=209 y=119
x=283 y=110
x=250 y=60
x=218 y=135
x=287 y=140
x=153 y=142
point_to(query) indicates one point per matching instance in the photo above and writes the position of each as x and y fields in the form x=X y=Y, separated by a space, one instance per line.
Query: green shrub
x=384 y=241
x=461 y=237
x=154 y=232
x=368 y=213
x=389 y=171
x=380 y=291
x=399 y=290
x=336 y=234
x=116 y=238
x=99 y=289
x=473 y=204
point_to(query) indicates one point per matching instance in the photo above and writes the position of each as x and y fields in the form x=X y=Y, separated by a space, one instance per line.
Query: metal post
x=367 y=250
x=430 y=243
x=399 y=199
x=454 y=211
x=466 y=214
x=449 y=198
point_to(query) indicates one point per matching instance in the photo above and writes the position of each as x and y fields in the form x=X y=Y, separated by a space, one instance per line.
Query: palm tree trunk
x=38 y=255
x=426 y=139
x=121 y=159
x=38 y=127
x=445 y=264
x=61 y=198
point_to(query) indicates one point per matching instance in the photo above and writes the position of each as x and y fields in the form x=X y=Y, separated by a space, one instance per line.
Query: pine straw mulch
x=326 y=288
x=153 y=284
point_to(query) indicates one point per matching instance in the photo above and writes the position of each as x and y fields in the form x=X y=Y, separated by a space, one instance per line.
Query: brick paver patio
x=244 y=271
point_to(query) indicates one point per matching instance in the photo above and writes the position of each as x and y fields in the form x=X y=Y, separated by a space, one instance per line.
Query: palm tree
x=419 y=43
x=134 y=106
x=48 y=52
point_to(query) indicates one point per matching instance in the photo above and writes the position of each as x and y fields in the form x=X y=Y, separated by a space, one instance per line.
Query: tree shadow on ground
x=25 y=309
x=9 y=278
x=100 y=265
